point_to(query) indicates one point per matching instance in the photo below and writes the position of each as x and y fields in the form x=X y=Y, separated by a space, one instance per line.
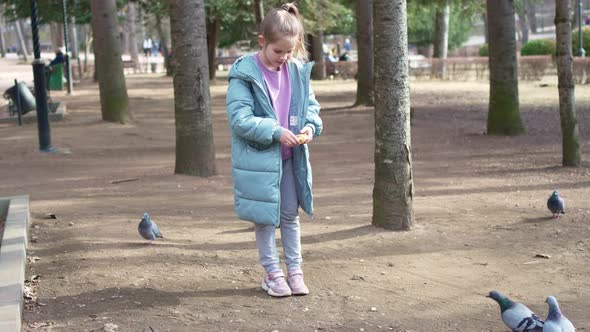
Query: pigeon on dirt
x=148 y=228
x=556 y=204
x=556 y=321
x=515 y=315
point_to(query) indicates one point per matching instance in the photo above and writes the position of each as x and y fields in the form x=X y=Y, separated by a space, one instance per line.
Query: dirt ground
x=480 y=219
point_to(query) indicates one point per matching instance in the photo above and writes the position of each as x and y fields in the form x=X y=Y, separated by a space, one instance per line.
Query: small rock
x=71 y=224
x=373 y=309
x=110 y=327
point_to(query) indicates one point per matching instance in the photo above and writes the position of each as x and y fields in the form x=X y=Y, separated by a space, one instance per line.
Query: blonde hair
x=282 y=22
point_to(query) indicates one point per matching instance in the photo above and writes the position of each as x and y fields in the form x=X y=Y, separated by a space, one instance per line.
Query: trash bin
x=27 y=99
x=56 y=77
x=154 y=67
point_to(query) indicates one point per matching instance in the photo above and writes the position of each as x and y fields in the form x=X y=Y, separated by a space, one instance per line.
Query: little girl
x=273 y=114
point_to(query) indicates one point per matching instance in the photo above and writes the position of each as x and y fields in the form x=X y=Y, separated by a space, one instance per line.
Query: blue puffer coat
x=255 y=146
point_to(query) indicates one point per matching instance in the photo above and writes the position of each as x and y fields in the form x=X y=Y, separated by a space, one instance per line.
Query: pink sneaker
x=296 y=282
x=275 y=285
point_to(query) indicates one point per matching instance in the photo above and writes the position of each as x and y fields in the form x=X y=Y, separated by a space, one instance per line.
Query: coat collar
x=245 y=68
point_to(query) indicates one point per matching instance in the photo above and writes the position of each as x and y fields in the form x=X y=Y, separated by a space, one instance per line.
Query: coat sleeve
x=312 y=117
x=240 y=114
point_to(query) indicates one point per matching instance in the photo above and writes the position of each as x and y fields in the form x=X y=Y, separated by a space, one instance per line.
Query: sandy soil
x=479 y=210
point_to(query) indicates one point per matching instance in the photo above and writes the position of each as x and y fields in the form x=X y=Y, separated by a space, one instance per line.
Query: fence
x=530 y=68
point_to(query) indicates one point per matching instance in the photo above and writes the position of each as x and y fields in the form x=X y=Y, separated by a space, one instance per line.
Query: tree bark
x=532 y=10
x=484 y=18
x=2 y=40
x=74 y=47
x=21 y=42
x=571 y=152
x=523 y=22
x=195 y=151
x=319 y=69
x=107 y=53
x=503 y=113
x=258 y=12
x=365 y=94
x=393 y=190
x=28 y=39
x=441 y=41
x=57 y=37
x=132 y=28
x=213 y=28
x=164 y=44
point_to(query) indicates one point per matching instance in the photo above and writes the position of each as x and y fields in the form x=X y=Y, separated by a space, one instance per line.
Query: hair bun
x=290 y=8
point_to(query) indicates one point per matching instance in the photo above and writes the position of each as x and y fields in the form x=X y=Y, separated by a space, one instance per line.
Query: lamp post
x=68 y=64
x=581 y=51
x=40 y=85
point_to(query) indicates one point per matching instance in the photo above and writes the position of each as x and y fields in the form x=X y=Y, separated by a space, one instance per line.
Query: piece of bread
x=301 y=138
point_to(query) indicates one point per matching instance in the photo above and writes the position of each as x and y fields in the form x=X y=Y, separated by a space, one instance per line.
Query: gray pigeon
x=148 y=228
x=517 y=316
x=556 y=204
x=556 y=321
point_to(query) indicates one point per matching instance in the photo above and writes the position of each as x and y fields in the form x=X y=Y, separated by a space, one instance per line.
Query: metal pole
x=40 y=88
x=581 y=51
x=68 y=64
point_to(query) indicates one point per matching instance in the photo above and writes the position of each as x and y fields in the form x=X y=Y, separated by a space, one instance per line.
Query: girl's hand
x=288 y=138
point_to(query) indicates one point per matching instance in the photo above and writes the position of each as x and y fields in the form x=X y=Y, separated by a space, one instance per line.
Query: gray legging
x=289 y=226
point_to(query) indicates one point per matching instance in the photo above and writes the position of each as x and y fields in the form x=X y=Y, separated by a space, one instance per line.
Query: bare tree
x=393 y=192
x=21 y=41
x=364 y=27
x=503 y=114
x=114 y=101
x=567 y=100
x=258 y=12
x=441 y=38
x=195 y=151
x=2 y=41
x=318 y=71
x=132 y=28
x=523 y=21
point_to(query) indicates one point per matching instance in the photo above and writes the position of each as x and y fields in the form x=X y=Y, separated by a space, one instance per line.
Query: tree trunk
x=163 y=44
x=21 y=42
x=567 y=100
x=132 y=28
x=503 y=112
x=364 y=88
x=28 y=39
x=532 y=10
x=441 y=39
x=393 y=190
x=107 y=53
x=57 y=37
x=74 y=47
x=195 y=151
x=484 y=18
x=319 y=69
x=523 y=22
x=213 y=28
x=2 y=40
x=258 y=12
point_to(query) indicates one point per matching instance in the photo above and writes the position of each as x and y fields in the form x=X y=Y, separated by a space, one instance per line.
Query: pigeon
x=556 y=321
x=556 y=204
x=148 y=229
x=517 y=316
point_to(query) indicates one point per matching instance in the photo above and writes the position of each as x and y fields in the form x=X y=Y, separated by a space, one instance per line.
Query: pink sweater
x=278 y=87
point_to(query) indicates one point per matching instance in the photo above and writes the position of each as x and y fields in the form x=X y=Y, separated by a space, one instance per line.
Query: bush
x=585 y=40
x=484 y=51
x=539 y=47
